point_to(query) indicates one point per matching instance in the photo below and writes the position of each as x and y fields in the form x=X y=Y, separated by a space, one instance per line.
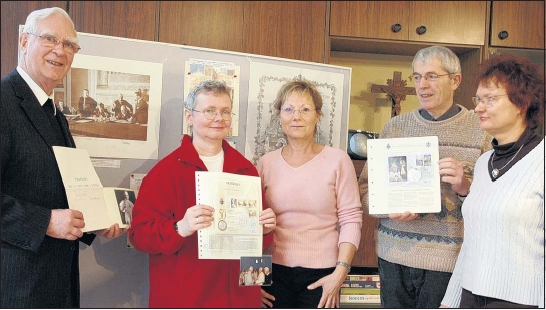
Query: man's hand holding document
x=85 y=193
x=404 y=175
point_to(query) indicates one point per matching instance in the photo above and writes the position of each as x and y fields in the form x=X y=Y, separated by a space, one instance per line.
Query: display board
x=112 y=274
x=166 y=72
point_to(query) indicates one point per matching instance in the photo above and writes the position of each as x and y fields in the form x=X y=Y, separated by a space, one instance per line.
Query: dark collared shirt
x=449 y=114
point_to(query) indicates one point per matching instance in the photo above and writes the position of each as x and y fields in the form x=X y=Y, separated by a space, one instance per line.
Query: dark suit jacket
x=37 y=271
x=88 y=108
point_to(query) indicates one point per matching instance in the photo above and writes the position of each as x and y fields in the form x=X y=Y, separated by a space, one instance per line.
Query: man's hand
x=452 y=172
x=112 y=232
x=65 y=224
x=403 y=217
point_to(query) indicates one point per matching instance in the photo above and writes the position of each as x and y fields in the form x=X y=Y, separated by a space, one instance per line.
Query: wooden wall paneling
x=127 y=19
x=454 y=22
x=369 y=19
x=523 y=20
x=327 y=42
x=366 y=255
x=210 y=24
x=287 y=29
x=469 y=66
x=14 y=13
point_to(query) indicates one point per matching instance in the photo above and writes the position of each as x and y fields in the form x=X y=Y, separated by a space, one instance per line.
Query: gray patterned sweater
x=431 y=241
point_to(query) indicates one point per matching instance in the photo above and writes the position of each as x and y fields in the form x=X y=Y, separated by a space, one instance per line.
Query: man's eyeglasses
x=210 y=114
x=431 y=77
x=291 y=110
x=52 y=42
x=488 y=101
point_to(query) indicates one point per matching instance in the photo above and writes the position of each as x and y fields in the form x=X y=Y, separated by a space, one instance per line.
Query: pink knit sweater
x=317 y=207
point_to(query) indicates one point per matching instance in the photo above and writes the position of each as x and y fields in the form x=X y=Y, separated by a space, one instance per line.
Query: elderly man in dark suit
x=39 y=231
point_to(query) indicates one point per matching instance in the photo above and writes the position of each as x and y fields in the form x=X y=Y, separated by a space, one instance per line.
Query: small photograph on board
x=255 y=270
x=397 y=169
x=126 y=202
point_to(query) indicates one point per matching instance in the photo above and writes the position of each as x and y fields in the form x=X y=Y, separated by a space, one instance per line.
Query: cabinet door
x=210 y=24
x=456 y=22
x=287 y=29
x=369 y=19
x=128 y=19
x=513 y=18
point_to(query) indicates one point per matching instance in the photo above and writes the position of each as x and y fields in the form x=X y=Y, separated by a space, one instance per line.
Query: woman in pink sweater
x=313 y=190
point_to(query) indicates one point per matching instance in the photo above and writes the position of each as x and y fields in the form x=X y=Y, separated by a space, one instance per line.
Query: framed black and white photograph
x=117 y=104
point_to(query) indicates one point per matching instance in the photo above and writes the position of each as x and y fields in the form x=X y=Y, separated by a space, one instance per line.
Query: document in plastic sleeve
x=403 y=175
x=237 y=203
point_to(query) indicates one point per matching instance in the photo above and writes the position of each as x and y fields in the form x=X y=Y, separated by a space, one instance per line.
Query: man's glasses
x=52 y=42
x=431 y=77
x=210 y=114
x=290 y=110
x=488 y=101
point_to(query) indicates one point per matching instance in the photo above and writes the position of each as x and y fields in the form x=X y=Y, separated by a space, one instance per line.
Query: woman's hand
x=196 y=217
x=330 y=288
x=269 y=220
x=266 y=299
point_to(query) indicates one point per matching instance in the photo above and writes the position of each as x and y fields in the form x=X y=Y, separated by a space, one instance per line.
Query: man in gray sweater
x=417 y=252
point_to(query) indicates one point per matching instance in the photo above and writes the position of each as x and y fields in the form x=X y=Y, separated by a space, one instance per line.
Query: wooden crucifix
x=396 y=91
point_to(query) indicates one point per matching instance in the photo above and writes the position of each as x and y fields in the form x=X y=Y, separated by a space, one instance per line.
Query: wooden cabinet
x=454 y=22
x=210 y=24
x=287 y=29
x=14 y=13
x=369 y=19
x=128 y=19
x=517 y=24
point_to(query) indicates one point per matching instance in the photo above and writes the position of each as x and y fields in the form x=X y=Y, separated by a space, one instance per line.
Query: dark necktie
x=49 y=109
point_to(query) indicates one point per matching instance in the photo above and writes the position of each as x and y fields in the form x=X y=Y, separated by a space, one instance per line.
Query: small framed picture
x=255 y=270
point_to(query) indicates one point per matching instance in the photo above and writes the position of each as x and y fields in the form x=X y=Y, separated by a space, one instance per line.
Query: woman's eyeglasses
x=210 y=114
x=291 y=110
x=488 y=101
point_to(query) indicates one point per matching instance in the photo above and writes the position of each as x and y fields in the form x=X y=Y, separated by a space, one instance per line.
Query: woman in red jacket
x=166 y=217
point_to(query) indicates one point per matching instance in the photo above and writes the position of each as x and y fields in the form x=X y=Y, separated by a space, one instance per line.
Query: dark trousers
x=289 y=286
x=407 y=287
x=469 y=300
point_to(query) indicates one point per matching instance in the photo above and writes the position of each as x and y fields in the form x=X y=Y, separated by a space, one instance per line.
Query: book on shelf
x=360 y=299
x=354 y=277
x=358 y=291
x=361 y=284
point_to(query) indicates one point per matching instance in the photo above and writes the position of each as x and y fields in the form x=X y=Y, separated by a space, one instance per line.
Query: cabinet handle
x=396 y=28
x=503 y=34
x=421 y=30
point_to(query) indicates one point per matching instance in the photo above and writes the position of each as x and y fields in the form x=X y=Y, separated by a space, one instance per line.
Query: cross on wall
x=396 y=91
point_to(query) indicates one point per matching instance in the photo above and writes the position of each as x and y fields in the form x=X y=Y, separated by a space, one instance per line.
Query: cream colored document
x=101 y=206
x=403 y=175
x=237 y=203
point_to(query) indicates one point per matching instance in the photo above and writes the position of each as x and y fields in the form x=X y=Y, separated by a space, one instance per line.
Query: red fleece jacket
x=178 y=279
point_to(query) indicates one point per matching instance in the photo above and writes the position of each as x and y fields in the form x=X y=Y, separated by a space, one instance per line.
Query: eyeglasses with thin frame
x=51 y=41
x=488 y=101
x=210 y=114
x=431 y=77
x=303 y=110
